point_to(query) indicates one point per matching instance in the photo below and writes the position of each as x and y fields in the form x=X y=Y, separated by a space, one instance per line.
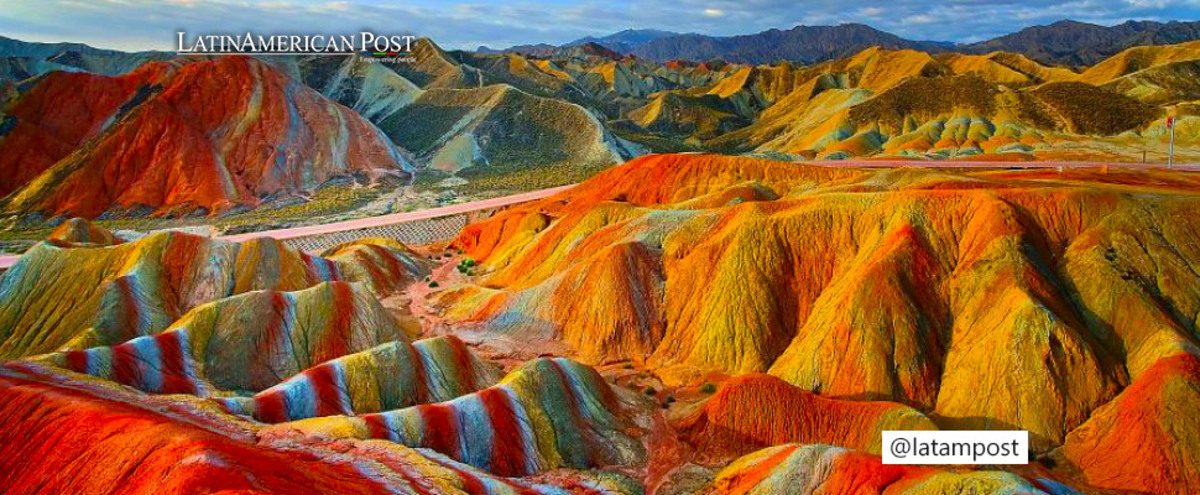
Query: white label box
x=955 y=447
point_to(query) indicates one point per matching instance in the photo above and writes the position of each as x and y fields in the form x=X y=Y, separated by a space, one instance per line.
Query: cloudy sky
x=152 y=24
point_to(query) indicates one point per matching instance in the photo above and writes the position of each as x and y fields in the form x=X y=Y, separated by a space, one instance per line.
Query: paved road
x=8 y=260
x=393 y=218
x=361 y=223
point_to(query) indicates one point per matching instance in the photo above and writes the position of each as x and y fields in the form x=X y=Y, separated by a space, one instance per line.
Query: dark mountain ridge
x=1066 y=42
x=1076 y=43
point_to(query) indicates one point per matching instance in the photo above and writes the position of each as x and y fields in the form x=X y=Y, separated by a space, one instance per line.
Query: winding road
x=361 y=223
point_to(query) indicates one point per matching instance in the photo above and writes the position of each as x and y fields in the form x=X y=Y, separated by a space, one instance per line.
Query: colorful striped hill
x=169 y=444
x=64 y=297
x=390 y=376
x=548 y=413
x=244 y=342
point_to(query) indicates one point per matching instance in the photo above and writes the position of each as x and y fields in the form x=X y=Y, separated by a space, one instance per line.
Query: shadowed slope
x=1139 y=58
x=1167 y=84
x=371 y=88
x=55 y=117
x=499 y=127
x=1086 y=109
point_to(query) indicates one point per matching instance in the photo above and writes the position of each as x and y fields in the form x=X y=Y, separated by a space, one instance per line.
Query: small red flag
x=1170 y=122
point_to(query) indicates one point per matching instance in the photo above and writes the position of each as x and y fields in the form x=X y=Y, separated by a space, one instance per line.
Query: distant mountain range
x=1065 y=42
x=22 y=59
x=1080 y=43
x=803 y=44
x=622 y=42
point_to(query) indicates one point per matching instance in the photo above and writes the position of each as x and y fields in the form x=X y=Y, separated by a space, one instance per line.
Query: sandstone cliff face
x=183 y=136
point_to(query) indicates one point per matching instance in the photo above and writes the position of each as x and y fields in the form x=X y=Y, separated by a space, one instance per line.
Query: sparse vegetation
x=926 y=98
x=1095 y=111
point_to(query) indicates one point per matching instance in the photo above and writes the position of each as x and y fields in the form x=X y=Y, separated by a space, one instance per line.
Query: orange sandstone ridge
x=985 y=299
x=755 y=411
x=1147 y=439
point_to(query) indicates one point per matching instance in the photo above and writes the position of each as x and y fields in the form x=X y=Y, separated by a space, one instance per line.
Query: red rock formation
x=54 y=117
x=202 y=135
x=59 y=440
x=754 y=411
x=81 y=231
x=1147 y=439
x=64 y=434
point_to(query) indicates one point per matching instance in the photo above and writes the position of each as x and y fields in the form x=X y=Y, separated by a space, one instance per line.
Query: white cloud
x=1150 y=4
x=917 y=19
x=714 y=12
x=871 y=11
